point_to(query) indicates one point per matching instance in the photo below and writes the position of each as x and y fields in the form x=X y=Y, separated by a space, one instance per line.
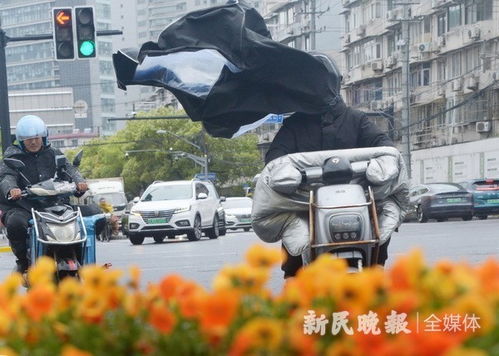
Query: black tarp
x=226 y=71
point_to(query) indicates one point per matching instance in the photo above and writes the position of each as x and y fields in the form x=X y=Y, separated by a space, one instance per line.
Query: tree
x=235 y=161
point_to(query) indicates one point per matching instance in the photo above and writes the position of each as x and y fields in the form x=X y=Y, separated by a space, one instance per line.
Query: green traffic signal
x=87 y=48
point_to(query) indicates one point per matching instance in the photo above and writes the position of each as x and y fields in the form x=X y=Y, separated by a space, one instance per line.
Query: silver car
x=238 y=213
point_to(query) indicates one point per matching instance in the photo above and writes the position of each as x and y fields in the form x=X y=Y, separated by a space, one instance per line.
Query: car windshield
x=115 y=199
x=489 y=184
x=237 y=203
x=168 y=192
x=440 y=188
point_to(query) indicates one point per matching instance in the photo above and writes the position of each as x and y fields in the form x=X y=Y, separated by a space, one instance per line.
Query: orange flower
x=218 y=310
x=190 y=304
x=161 y=318
x=68 y=293
x=406 y=271
x=170 y=286
x=39 y=301
x=344 y=347
x=488 y=275
x=260 y=256
x=264 y=333
x=70 y=350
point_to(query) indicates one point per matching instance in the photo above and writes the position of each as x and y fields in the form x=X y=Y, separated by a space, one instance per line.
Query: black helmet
x=331 y=67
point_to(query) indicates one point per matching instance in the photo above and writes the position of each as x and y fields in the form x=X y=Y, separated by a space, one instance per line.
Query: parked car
x=238 y=213
x=441 y=201
x=167 y=209
x=485 y=196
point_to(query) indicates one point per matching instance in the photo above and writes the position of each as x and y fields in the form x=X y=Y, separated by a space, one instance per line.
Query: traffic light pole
x=4 y=95
x=4 y=89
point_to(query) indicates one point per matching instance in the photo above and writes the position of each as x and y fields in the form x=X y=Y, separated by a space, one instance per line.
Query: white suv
x=174 y=208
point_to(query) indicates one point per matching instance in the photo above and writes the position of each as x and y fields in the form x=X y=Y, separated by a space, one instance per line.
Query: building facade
x=31 y=65
x=453 y=71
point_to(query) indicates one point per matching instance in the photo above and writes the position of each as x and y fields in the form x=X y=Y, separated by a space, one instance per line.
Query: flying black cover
x=227 y=72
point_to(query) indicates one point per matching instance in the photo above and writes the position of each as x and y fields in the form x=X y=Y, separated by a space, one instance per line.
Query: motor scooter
x=56 y=229
x=345 y=203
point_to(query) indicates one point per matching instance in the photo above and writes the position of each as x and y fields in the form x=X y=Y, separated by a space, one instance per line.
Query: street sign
x=206 y=176
x=80 y=108
x=274 y=119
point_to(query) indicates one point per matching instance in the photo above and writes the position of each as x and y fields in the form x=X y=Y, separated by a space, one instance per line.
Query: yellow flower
x=134 y=281
x=260 y=256
x=11 y=284
x=70 y=350
x=92 y=307
x=93 y=277
x=69 y=292
x=471 y=306
x=5 y=323
x=42 y=272
x=242 y=277
x=258 y=335
x=133 y=303
x=6 y=351
x=344 y=347
x=407 y=270
x=465 y=351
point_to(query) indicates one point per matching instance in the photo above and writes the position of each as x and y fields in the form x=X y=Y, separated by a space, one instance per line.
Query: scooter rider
x=341 y=127
x=40 y=160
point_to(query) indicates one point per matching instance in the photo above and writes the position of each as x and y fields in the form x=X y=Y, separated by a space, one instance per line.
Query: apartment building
x=454 y=71
x=31 y=65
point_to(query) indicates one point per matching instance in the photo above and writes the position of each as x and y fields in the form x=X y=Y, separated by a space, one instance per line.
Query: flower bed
x=409 y=309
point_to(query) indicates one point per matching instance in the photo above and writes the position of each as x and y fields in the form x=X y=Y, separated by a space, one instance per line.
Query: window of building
x=107 y=105
x=442 y=24
x=375 y=10
x=478 y=10
x=421 y=75
x=347 y=23
x=454 y=17
x=455 y=61
x=427 y=24
x=441 y=70
x=103 y=10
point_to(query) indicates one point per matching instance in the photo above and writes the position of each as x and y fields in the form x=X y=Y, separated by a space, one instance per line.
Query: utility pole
x=406 y=104
x=4 y=96
x=4 y=89
x=313 y=26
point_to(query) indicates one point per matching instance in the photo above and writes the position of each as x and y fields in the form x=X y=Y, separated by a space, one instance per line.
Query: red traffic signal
x=63 y=33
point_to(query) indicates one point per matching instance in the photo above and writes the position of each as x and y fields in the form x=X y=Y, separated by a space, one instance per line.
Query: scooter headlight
x=344 y=228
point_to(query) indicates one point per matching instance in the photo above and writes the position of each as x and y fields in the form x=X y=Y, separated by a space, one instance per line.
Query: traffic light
x=63 y=33
x=85 y=32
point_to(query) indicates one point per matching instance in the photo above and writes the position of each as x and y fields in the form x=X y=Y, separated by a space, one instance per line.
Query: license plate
x=492 y=201
x=157 y=221
x=245 y=220
x=454 y=200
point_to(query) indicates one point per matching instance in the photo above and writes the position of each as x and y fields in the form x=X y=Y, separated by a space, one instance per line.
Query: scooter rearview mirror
x=77 y=159
x=16 y=165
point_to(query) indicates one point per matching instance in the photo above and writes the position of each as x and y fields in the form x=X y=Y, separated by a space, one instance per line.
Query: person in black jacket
x=341 y=127
x=40 y=159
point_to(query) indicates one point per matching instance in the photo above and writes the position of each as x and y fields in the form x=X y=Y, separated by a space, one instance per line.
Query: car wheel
x=136 y=240
x=483 y=217
x=159 y=239
x=422 y=218
x=214 y=231
x=247 y=229
x=195 y=233
x=222 y=228
x=467 y=217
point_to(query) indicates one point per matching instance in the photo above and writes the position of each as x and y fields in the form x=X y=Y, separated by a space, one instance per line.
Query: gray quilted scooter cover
x=280 y=205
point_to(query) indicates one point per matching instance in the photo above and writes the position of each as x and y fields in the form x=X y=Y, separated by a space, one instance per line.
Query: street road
x=472 y=241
